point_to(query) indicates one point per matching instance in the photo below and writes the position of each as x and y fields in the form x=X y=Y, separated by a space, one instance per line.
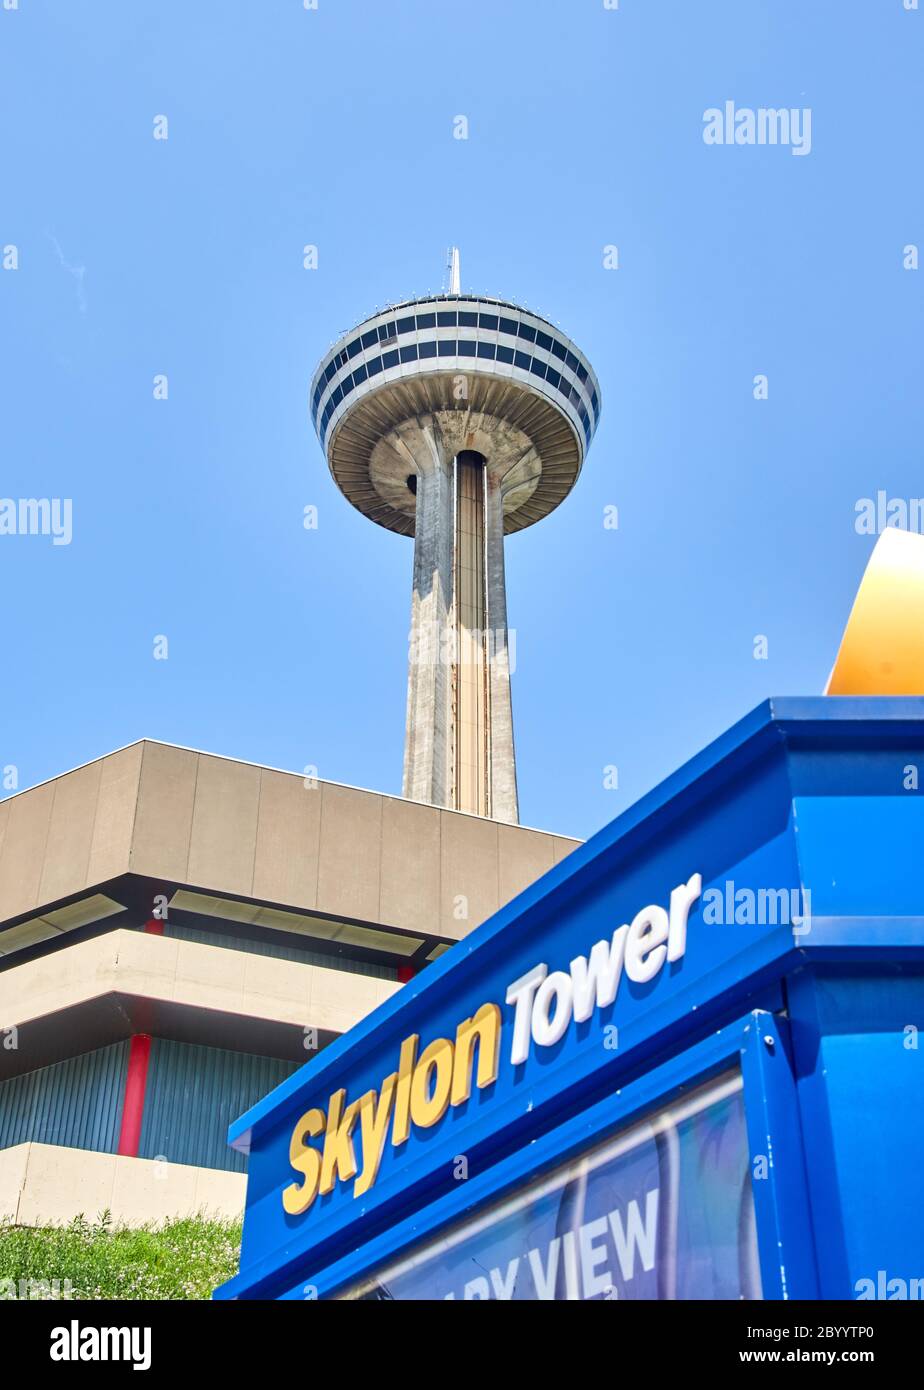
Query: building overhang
x=100 y=991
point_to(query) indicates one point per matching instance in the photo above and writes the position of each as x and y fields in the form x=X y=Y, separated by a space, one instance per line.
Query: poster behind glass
x=663 y=1210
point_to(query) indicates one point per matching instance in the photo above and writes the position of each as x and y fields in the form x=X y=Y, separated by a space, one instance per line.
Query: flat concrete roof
x=176 y=818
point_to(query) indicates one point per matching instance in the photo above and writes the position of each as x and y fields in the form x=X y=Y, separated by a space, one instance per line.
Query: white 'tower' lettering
x=545 y=1004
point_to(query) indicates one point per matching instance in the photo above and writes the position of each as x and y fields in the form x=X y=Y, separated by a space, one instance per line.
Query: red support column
x=405 y=973
x=136 y=1081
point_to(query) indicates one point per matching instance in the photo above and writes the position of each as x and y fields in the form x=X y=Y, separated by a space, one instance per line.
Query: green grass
x=177 y=1259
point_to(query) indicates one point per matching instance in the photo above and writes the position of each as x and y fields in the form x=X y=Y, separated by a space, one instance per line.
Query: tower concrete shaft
x=459 y=738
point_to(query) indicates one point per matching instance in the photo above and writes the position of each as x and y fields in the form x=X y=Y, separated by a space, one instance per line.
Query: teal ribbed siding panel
x=193 y=1095
x=77 y=1103
x=269 y=948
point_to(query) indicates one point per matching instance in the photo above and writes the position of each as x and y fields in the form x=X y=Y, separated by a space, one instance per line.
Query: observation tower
x=457 y=419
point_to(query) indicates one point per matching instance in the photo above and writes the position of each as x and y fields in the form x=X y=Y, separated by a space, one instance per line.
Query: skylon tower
x=457 y=419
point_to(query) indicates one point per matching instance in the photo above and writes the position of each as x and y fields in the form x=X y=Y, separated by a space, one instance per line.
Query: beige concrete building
x=178 y=932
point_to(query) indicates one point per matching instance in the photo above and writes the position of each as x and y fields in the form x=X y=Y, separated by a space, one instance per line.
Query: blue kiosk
x=684 y=1064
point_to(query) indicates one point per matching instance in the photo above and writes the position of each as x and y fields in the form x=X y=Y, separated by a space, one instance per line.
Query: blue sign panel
x=725 y=890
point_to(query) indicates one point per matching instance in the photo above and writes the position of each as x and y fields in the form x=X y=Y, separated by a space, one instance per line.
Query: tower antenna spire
x=454 y=279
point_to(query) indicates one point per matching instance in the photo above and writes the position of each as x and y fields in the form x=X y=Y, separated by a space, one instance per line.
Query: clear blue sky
x=334 y=127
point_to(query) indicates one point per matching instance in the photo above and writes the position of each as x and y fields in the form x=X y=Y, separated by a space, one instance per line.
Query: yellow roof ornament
x=882 y=650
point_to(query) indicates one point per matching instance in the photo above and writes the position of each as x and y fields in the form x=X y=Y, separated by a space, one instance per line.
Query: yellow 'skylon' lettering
x=484 y=1027
x=338 y=1159
x=418 y=1093
x=428 y=1108
x=401 y=1127
x=297 y=1198
x=374 y=1114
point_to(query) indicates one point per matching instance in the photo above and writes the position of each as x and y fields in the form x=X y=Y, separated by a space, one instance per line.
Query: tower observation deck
x=457 y=419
